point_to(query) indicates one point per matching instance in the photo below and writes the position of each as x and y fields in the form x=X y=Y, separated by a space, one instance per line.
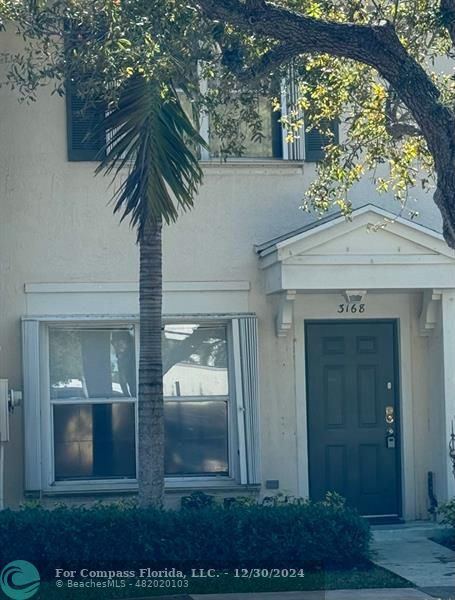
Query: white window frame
x=231 y=402
x=291 y=152
x=47 y=403
x=39 y=458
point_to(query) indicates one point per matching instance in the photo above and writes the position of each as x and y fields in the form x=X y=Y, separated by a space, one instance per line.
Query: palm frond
x=155 y=141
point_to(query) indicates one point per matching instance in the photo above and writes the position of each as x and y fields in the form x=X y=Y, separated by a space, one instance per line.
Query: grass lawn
x=368 y=577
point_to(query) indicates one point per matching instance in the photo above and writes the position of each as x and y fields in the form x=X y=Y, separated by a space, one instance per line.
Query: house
x=301 y=355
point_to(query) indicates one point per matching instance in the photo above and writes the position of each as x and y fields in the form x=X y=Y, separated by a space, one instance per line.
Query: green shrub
x=112 y=537
x=447 y=512
x=197 y=500
x=238 y=501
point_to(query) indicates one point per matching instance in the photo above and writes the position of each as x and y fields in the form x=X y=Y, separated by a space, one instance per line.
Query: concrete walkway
x=407 y=551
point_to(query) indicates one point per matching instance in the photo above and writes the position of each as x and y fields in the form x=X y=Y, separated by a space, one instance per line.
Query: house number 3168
x=351 y=308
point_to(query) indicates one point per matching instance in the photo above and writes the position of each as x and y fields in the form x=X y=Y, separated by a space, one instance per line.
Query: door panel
x=350 y=384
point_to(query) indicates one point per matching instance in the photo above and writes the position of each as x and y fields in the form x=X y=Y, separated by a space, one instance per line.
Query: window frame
x=44 y=444
x=50 y=402
x=207 y=158
x=297 y=152
x=278 y=138
x=229 y=398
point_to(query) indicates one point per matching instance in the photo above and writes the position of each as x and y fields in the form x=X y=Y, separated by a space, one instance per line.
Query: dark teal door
x=352 y=395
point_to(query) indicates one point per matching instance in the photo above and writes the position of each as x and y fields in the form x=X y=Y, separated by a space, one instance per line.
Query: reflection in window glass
x=195 y=366
x=94 y=441
x=196 y=438
x=195 y=360
x=92 y=363
x=267 y=146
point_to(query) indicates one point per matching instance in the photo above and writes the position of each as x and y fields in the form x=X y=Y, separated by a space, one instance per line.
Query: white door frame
x=379 y=306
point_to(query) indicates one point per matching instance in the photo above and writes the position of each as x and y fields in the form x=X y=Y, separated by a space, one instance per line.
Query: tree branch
x=448 y=17
x=253 y=5
x=374 y=45
x=400 y=130
x=398 y=126
x=377 y=46
x=395 y=11
x=268 y=63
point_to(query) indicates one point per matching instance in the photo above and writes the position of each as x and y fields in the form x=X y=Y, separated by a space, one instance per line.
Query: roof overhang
x=373 y=250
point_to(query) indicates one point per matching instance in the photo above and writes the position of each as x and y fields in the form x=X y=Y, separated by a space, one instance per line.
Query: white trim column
x=448 y=340
x=245 y=341
x=248 y=338
x=32 y=405
x=240 y=404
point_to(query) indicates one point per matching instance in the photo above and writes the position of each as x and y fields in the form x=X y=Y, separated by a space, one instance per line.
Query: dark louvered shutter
x=315 y=141
x=86 y=136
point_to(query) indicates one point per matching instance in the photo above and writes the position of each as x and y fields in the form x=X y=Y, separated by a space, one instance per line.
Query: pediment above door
x=374 y=250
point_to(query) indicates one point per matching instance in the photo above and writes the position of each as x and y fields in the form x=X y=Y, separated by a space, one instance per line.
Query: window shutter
x=86 y=136
x=245 y=330
x=289 y=95
x=315 y=141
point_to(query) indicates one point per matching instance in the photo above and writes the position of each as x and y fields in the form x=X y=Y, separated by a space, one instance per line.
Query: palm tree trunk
x=151 y=413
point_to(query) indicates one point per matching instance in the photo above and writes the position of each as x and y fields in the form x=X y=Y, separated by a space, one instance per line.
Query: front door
x=353 y=414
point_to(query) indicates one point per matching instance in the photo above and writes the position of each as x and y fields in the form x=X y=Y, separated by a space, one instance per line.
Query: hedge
x=447 y=512
x=302 y=535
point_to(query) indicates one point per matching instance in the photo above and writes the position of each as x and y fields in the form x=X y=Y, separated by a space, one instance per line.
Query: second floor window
x=269 y=144
x=86 y=139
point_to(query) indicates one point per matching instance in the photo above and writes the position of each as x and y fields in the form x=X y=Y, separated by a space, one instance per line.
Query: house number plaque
x=351 y=308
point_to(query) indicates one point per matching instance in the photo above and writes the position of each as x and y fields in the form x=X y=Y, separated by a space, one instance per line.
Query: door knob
x=389 y=415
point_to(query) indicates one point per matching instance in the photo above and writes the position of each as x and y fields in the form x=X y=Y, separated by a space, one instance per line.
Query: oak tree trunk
x=151 y=413
x=444 y=196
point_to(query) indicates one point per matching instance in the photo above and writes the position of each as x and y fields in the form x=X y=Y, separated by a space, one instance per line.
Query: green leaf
x=155 y=142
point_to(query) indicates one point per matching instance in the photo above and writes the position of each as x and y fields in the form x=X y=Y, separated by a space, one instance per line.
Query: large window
x=93 y=401
x=80 y=403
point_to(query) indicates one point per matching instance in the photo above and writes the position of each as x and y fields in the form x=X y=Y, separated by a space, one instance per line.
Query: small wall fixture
x=272 y=484
x=355 y=296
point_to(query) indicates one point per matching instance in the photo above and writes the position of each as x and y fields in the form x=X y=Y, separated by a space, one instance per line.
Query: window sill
x=224 y=484
x=179 y=485
x=252 y=165
x=235 y=161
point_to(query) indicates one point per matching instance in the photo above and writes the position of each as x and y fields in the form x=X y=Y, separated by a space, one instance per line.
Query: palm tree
x=156 y=141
